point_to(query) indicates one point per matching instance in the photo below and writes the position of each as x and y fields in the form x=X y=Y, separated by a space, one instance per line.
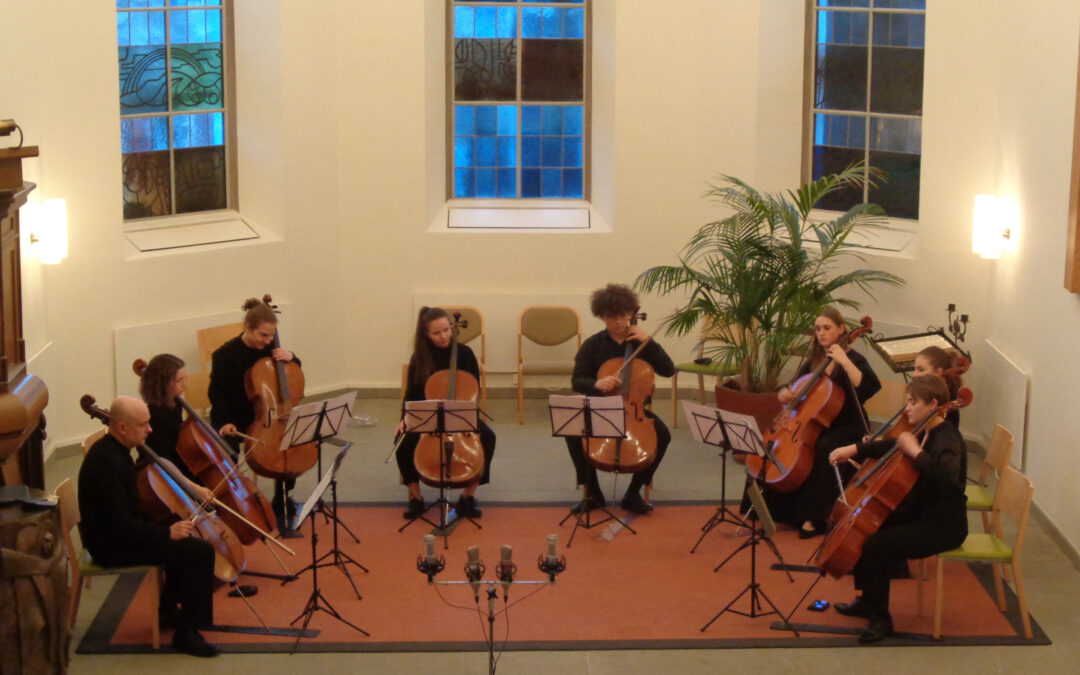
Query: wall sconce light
x=990 y=228
x=7 y=127
x=46 y=223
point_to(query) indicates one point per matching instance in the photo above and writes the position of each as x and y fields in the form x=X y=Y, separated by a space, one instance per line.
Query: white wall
x=341 y=141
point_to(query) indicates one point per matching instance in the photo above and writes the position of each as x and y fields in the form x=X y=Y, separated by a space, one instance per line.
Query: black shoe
x=415 y=510
x=586 y=505
x=466 y=507
x=191 y=642
x=243 y=591
x=167 y=616
x=633 y=503
x=811 y=533
x=880 y=628
x=856 y=608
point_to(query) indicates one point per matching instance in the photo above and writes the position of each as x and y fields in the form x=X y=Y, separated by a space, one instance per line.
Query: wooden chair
x=885 y=403
x=211 y=338
x=712 y=368
x=1012 y=498
x=473 y=329
x=548 y=326
x=82 y=567
x=198 y=392
x=979 y=496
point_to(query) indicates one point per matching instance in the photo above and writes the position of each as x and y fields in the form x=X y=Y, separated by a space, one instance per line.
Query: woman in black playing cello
x=808 y=506
x=431 y=353
x=164 y=379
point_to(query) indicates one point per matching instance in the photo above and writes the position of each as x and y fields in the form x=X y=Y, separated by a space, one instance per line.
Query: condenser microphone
x=474 y=570
x=506 y=568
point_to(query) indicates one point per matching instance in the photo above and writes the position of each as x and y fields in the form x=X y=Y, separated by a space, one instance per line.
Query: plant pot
x=762 y=407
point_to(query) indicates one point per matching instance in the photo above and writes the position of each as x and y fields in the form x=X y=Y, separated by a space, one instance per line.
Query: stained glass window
x=867 y=98
x=173 y=117
x=519 y=99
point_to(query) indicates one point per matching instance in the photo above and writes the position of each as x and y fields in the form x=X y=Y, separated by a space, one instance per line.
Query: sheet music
x=607 y=413
x=458 y=416
x=704 y=422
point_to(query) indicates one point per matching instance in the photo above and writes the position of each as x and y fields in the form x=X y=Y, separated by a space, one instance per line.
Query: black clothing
x=932 y=518
x=116 y=533
x=228 y=400
x=813 y=500
x=595 y=351
x=165 y=426
x=415 y=392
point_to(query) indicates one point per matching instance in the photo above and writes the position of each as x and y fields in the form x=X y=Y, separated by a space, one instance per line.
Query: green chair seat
x=984 y=547
x=89 y=568
x=713 y=368
x=978 y=498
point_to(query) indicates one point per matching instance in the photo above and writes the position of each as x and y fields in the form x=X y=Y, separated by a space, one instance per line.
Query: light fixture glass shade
x=47 y=223
x=986 y=230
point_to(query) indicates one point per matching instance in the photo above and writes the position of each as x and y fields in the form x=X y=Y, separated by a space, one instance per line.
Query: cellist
x=117 y=534
x=164 y=379
x=431 y=353
x=932 y=517
x=231 y=411
x=934 y=360
x=809 y=505
x=616 y=305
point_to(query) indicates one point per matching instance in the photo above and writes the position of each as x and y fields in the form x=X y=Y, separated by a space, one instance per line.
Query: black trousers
x=189 y=576
x=585 y=472
x=406 y=453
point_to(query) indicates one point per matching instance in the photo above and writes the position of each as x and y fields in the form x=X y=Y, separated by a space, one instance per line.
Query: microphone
x=506 y=569
x=429 y=548
x=552 y=563
x=474 y=570
x=553 y=548
x=429 y=563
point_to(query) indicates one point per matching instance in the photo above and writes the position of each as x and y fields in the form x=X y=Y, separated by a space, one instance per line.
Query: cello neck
x=204 y=425
x=283 y=381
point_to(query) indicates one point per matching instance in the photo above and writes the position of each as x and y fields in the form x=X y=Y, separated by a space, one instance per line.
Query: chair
x=198 y=392
x=979 y=496
x=1012 y=498
x=713 y=368
x=211 y=338
x=473 y=329
x=82 y=567
x=891 y=398
x=548 y=326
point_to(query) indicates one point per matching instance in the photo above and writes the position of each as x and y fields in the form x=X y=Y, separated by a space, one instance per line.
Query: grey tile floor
x=530 y=466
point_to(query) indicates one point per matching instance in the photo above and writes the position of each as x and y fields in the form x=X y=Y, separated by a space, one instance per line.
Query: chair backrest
x=69 y=520
x=474 y=321
x=998 y=454
x=550 y=325
x=198 y=387
x=211 y=338
x=91 y=439
x=888 y=400
x=1013 y=498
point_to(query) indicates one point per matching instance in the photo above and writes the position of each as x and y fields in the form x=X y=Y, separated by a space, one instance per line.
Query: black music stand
x=588 y=417
x=317 y=601
x=441 y=418
x=731 y=432
x=762 y=528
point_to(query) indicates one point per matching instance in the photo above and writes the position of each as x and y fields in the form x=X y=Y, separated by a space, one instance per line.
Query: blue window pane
x=485 y=22
x=530 y=120
x=530 y=151
x=144 y=133
x=507 y=123
x=464 y=183
x=485 y=183
x=159 y=127
x=157 y=28
x=530 y=182
x=506 y=151
x=551 y=182
x=182 y=131
x=139 y=25
x=121 y=4
x=179 y=27
x=463 y=151
x=464 y=120
x=819 y=129
x=485 y=151
x=217 y=129
x=213 y=26
x=573 y=120
x=485 y=120
x=918 y=31
x=552 y=22
x=123 y=32
x=197 y=26
x=838 y=131
x=572 y=182
x=532 y=22
x=506 y=22
x=463 y=22
x=507 y=183
x=575 y=23
x=138 y=3
x=572 y=155
x=551 y=151
x=552 y=120
x=857 y=132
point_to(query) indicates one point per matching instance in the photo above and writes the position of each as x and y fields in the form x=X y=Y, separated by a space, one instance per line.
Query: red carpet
x=643 y=591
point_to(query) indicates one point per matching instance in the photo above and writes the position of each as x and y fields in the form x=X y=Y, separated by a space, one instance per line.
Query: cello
x=887 y=483
x=274 y=387
x=636 y=451
x=790 y=441
x=450 y=460
x=164 y=492
x=897 y=424
x=245 y=509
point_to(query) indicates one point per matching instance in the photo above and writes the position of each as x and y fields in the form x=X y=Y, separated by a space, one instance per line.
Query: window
x=867 y=70
x=174 y=123
x=518 y=103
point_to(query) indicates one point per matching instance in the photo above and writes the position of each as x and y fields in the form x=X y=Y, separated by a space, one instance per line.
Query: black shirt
x=441 y=355
x=600 y=347
x=112 y=522
x=852 y=414
x=228 y=400
x=165 y=426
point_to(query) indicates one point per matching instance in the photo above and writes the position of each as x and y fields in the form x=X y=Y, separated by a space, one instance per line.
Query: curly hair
x=612 y=300
x=156 y=378
x=258 y=312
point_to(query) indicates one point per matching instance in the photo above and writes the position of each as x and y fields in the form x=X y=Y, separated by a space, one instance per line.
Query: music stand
x=308 y=511
x=588 y=417
x=441 y=418
x=729 y=431
x=762 y=528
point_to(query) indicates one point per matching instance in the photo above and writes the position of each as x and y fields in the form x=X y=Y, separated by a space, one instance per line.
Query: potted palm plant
x=758 y=277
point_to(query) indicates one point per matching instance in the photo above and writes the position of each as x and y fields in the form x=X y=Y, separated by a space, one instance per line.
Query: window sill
x=501 y=216
x=154 y=237
x=896 y=238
